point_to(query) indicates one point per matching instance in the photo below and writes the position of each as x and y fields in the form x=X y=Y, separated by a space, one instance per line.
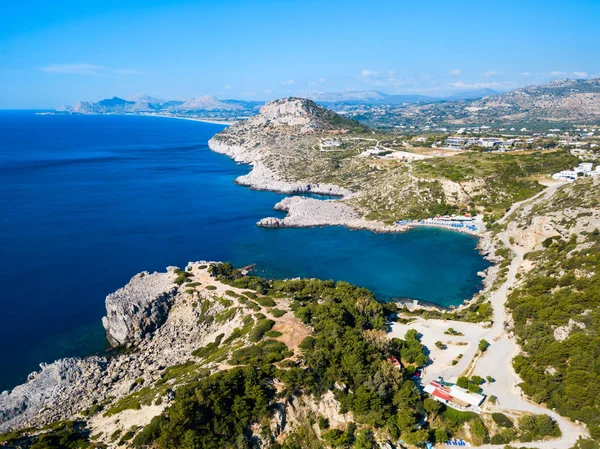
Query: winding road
x=497 y=360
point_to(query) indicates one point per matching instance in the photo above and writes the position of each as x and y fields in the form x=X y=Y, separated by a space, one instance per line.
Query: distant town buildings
x=460 y=142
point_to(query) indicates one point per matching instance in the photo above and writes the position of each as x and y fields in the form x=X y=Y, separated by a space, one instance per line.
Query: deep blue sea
x=88 y=201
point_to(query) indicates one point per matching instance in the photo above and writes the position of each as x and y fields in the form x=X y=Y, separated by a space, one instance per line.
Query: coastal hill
x=295 y=145
x=230 y=361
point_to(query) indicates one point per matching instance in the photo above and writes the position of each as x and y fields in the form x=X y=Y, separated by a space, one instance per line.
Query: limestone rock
x=66 y=382
x=138 y=308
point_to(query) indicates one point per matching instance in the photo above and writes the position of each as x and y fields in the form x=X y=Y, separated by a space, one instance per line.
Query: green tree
x=478 y=431
x=483 y=345
x=463 y=382
x=441 y=436
x=365 y=440
x=432 y=407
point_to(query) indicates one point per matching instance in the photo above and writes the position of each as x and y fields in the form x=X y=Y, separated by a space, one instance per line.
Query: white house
x=565 y=175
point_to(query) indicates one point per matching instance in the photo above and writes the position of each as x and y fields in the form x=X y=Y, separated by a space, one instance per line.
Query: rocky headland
x=160 y=324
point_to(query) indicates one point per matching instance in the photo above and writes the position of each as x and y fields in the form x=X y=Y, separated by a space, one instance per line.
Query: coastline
x=143 y=114
x=308 y=212
x=193 y=119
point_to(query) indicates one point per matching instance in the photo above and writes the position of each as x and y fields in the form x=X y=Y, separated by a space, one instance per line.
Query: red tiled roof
x=442 y=395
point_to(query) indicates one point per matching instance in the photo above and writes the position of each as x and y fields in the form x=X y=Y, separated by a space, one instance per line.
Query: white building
x=565 y=175
x=584 y=167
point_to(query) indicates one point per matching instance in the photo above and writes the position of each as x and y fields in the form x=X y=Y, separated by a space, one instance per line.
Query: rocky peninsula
x=155 y=318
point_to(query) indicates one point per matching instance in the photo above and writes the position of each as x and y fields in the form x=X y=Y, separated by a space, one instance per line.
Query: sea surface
x=89 y=201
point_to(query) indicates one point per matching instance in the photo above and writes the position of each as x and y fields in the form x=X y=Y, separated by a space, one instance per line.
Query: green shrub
x=182 y=276
x=537 y=427
x=502 y=420
x=193 y=284
x=273 y=334
x=265 y=301
x=150 y=433
x=261 y=327
x=483 y=345
x=277 y=313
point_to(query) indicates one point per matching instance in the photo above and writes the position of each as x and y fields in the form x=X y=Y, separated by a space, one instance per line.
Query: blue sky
x=55 y=53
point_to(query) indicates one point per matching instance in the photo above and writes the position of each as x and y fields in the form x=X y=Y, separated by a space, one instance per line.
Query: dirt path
x=497 y=360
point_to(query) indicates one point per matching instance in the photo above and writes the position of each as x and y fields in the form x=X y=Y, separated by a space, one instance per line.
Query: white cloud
x=492 y=73
x=287 y=83
x=580 y=74
x=76 y=69
x=461 y=85
x=368 y=73
x=557 y=73
x=455 y=72
x=525 y=74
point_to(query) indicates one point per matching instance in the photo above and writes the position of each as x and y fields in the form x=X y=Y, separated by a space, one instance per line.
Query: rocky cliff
x=65 y=388
x=138 y=308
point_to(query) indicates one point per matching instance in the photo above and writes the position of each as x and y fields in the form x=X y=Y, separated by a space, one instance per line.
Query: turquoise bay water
x=87 y=202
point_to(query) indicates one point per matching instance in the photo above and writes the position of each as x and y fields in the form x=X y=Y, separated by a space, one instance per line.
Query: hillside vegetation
x=556 y=310
x=470 y=182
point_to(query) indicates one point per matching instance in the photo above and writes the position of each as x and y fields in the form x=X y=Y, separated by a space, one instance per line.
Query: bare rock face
x=271 y=222
x=139 y=308
x=67 y=382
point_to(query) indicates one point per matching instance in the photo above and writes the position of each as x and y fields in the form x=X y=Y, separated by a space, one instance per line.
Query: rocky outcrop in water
x=302 y=212
x=138 y=308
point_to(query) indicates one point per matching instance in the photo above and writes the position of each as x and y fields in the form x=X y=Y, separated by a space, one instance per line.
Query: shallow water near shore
x=89 y=201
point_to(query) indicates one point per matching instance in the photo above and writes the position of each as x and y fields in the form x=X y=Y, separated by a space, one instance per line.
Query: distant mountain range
x=376 y=97
x=560 y=100
x=145 y=103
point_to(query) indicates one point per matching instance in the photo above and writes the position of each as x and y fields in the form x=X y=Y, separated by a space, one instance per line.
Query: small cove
x=89 y=201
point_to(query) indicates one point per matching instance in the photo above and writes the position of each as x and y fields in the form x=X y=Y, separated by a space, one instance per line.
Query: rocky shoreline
x=68 y=387
x=262 y=177
x=308 y=212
